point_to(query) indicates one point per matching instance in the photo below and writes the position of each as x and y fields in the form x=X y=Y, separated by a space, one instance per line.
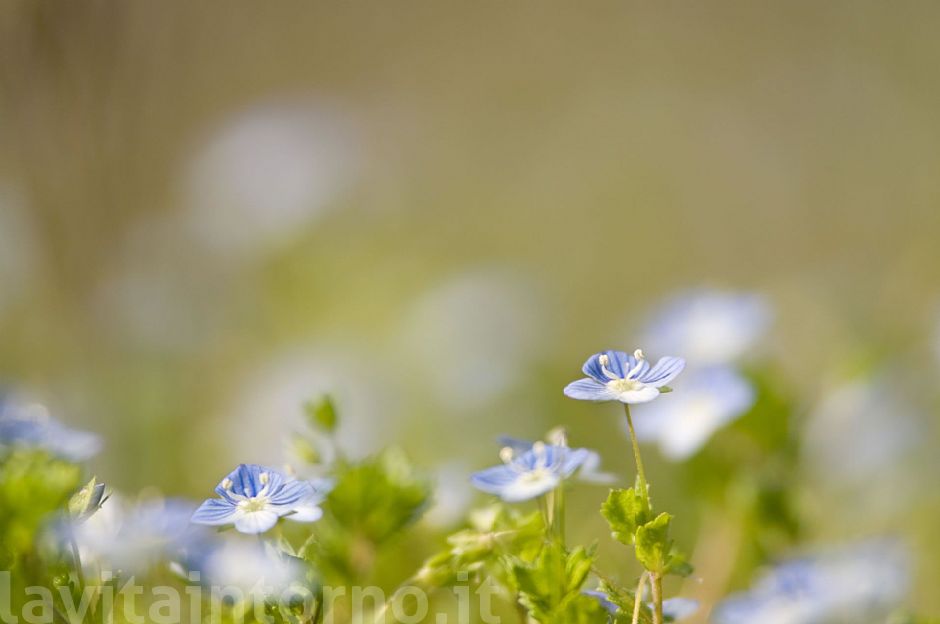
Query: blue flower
x=855 y=583
x=31 y=426
x=618 y=376
x=709 y=326
x=253 y=498
x=589 y=471
x=710 y=398
x=530 y=474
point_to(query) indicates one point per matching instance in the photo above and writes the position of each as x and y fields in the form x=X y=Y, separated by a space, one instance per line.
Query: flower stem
x=636 y=451
x=638 y=598
x=656 y=586
x=77 y=559
x=558 y=516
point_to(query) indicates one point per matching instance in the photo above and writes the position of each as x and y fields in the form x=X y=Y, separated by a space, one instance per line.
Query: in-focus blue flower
x=254 y=497
x=31 y=426
x=709 y=326
x=857 y=583
x=674 y=609
x=619 y=376
x=526 y=475
x=710 y=398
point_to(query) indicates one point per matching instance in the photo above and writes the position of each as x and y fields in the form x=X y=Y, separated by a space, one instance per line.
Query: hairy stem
x=638 y=598
x=636 y=451
x=656 y=587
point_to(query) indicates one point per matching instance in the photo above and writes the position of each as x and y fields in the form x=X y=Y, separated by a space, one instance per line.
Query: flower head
x=619 y=376
x=589 y=470
x=253 y=569
x=253 y=498
x=529 y=474
x=853 y=583
x=710 y=398
x=31 y=426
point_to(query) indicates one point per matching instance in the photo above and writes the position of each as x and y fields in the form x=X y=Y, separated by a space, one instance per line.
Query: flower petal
x=493 y=480
x=215 y=512
x=588 y=389
x=666 y=369
x=525 y=489
x=619 y=363
x=255 y=521
x=640 y=395
x=290 y=494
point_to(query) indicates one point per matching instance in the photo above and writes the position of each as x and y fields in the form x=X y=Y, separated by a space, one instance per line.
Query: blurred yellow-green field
x=211 y=213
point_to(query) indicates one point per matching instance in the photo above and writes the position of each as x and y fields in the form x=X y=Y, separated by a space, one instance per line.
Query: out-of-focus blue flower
x=619 y=376
x=31 y=426
x=709 y=326
x=132 y=538
x=531 y=473
x=590 y=470
x=710 y=398
x=674 y=609
x=254 y=497
x=858 y=583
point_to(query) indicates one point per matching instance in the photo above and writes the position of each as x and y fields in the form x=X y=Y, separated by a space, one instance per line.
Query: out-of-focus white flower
x=472 y=336
x=17 y=247
x=270 y=404
x=30 y=425
x=705 y=400
x=131 y=538
x=859 y=583
x=708 y=326
x=266 y=173
x=249 y=567
x=859 y=431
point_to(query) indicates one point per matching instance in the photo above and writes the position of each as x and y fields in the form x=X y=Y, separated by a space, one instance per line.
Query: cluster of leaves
x=632 y=523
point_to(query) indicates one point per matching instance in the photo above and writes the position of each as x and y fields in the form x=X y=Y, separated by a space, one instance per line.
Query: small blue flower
x=618 y=376
x=31 y=426
x=856 y=583
x=590 y=469
x=530 y=474
x=254 y=497
x=710 y=398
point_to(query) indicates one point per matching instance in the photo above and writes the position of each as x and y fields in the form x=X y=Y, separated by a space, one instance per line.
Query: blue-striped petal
x=589 y=390
x=666 y=369
x=215 y=512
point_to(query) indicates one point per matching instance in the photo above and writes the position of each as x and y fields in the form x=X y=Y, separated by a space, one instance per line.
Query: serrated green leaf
x=653 y=544
x=626 y=511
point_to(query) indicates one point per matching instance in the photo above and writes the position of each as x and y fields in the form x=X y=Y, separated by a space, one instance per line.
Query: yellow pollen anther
x=638 y=354
x=264 y=478
x=506 y=454
x=604 y=360
x=558 y=436
x=226 y=484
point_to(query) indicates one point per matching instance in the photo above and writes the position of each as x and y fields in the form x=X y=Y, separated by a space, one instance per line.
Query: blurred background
x=210 y=214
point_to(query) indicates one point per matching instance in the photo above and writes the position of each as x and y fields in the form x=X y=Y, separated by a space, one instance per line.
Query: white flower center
x=256 y=503
x=624 y=385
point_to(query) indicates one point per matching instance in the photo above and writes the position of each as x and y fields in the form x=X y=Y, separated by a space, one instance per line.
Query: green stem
x=638 y=598
x=656 y=586
x=77 y=559
x=558 y=517
x=636 y=451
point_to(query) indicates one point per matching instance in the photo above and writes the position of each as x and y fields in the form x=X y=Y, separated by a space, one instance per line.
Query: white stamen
x=604 y=361
x=558 y=436
x=506 y=454
x=227 y=484
x=638 y=354
x=264 y=478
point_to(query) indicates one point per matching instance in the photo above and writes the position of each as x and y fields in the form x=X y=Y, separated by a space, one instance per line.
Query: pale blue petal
x=589 y=390
x=666 y=369
x=215 y=512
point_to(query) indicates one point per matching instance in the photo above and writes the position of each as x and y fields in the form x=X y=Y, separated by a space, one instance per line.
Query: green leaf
x=626 y=511
x=653 y=544
x=322 y=413
x=550 y=587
